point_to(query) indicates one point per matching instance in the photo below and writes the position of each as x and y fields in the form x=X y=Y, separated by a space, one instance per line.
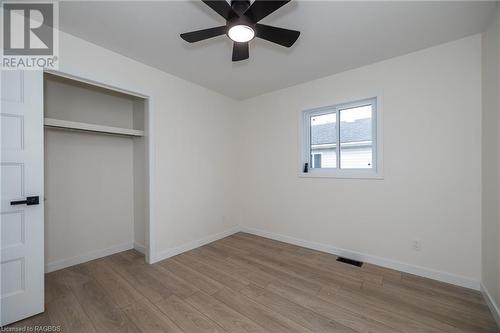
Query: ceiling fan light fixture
x=242 y=25
x=241 y=33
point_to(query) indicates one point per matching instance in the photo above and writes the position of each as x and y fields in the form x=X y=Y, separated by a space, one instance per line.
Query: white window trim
x=304 y=143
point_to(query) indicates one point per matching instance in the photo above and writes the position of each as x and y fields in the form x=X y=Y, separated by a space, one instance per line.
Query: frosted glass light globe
x=241 y=33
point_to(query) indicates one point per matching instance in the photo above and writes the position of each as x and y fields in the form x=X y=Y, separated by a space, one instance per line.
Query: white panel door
x=21 y=232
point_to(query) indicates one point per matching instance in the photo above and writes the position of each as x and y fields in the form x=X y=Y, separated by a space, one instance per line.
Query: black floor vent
x=350 y=261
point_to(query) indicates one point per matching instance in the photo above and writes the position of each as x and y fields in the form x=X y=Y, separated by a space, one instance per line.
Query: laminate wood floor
x=245 y=283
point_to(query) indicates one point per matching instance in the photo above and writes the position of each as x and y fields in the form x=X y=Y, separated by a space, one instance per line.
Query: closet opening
x=96 y=171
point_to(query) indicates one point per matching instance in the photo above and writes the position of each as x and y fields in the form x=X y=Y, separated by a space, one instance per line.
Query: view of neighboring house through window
x=316 y=161
x=356 y=137
x=324 y=140
x=341 y=135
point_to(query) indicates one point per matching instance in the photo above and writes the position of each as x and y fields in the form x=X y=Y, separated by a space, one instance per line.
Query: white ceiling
x=335 y=36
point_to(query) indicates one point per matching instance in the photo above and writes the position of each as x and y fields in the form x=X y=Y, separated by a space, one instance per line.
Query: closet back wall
x=89 y=183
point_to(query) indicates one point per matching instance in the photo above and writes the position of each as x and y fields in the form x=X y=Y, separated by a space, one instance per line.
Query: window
x=341 y=141
x=316 y=161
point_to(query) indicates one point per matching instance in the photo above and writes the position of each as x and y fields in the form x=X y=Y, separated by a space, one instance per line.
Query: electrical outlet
x=416 y=245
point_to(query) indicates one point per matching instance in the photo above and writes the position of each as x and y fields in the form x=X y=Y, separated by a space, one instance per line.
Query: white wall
x=90 y=195
x=430 y=192
x=193 y=167
x=491 y=160
x=141 y=197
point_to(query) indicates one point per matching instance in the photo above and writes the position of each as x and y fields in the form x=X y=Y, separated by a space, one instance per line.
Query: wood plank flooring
x=245 y=283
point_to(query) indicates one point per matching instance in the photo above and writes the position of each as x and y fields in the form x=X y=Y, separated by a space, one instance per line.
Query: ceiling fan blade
x=261 y=8
x=240 y=51
x=284 y=37
x=196 y=36
x=222 y=8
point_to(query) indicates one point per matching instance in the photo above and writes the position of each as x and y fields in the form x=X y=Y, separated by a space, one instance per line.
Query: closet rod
x=73 y=125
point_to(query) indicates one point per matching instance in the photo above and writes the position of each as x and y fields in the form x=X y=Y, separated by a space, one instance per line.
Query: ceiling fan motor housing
x=240 y=6
x=243 y=20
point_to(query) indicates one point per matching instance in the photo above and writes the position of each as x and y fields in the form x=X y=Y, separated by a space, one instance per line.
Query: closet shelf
x=73 y=125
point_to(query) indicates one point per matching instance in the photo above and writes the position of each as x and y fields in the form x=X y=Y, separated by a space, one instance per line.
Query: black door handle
x=29 y=201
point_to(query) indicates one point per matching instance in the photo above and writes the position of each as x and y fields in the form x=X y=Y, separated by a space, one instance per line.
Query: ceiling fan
x=241 y=25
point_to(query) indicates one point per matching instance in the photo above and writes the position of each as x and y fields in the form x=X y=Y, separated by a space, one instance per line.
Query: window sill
x=354 y=175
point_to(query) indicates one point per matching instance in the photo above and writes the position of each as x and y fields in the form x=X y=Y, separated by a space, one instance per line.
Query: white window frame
x=377 y=138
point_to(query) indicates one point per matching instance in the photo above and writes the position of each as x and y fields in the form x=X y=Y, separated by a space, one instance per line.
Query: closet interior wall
x=95 y=183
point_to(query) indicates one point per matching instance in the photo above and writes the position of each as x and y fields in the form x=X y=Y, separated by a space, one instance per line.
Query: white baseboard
x=63 y=263
x=495 y=309
x=139 y=248
x=388 y=263
x=194 y=244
